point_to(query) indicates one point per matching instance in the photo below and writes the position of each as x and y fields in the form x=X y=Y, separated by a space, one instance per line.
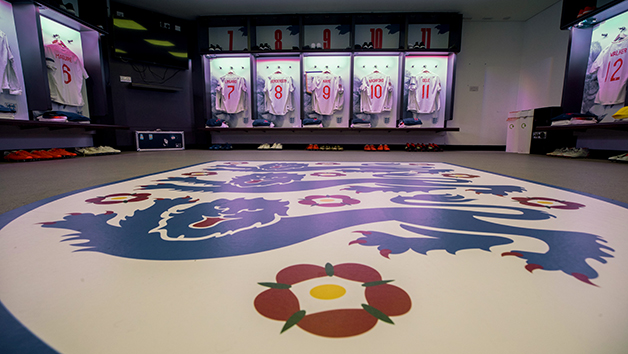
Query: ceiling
x=476 y=10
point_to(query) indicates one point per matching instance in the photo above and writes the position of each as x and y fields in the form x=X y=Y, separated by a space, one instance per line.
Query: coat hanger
x=326 y=71
x=278 y=71
x=621 y=35
x=57 y=40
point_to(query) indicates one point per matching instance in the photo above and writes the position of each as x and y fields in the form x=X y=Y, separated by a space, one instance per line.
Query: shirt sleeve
x=340 y=87
x=597 y=64
x=365 y=84
x=83 y=71
x=412 y=86
x=50 y=61
x=243 y=84
x=267 y=85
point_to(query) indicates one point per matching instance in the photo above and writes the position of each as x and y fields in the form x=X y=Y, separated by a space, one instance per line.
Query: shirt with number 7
x=231 y=94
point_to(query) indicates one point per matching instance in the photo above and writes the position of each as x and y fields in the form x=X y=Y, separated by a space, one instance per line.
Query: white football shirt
x=231 y=94
x=326 y=94
x=376 y=93
x=424 y=93
x=65 y=75
x=278 y=94
x=610 y=66
x=8 y=78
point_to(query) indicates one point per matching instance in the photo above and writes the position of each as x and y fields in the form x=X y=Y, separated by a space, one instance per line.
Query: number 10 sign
x=382 y=36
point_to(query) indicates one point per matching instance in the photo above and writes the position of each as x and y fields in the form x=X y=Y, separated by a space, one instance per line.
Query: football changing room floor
x=247 y=256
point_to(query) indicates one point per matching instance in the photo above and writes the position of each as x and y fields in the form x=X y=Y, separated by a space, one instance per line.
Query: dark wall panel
x=163 y=102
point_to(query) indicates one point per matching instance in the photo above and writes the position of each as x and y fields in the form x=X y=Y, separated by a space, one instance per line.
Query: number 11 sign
x=432 y=36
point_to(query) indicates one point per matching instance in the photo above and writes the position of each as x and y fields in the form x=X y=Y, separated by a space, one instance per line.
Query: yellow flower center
x=328 y=292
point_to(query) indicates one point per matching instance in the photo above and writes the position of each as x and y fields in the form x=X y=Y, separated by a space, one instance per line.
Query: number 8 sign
x=278 y=37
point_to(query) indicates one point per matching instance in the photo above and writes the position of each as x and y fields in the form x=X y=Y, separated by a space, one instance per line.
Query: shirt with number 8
x=278 y=94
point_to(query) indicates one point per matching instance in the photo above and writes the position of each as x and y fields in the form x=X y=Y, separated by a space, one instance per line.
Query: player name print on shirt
x=611 y=73
x=327 y=93
x=376 y=93
x=278 y=94
x=231 y=94
x=424 y=93
x=65 y=75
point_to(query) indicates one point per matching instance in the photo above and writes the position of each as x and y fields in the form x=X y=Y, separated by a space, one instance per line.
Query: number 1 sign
x=228 y=38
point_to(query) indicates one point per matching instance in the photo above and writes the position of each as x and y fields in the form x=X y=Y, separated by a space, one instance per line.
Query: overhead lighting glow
x=160 y=43
x=179 y=54
x=121 y=51
x=128 y=24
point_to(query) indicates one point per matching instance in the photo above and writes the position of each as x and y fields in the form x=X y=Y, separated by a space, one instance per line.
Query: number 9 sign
x=330 y=36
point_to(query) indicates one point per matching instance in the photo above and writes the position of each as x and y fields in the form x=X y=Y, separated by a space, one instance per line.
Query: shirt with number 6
x=65 y=75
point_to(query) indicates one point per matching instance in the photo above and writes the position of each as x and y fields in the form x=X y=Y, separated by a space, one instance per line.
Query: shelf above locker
x=302 y=129
x=610 y=125
x=31 y=124
x=67 y=19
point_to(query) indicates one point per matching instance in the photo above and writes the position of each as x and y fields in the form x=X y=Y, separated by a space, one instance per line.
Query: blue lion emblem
x=184 y=228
